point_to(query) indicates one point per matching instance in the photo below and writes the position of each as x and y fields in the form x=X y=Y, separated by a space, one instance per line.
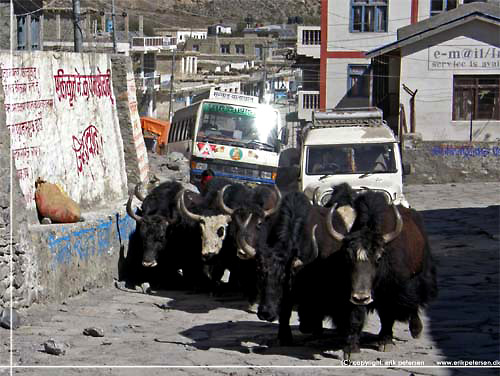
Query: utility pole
x=113 y=22
x=77 y=30
x=413 y=123
x=171 y=87
x=264 y=75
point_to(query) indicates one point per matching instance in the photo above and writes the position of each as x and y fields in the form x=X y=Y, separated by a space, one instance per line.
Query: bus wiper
x=324 y=176
x=259 y=143
x=367 y=174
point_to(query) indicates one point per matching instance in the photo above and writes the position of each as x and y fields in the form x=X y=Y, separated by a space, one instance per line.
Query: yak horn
x=181 y=206
x=315 y=243
x=399 y=227
x=130 y=211
x=329 y=226
x=273 y=210
x=245 y=247
x=247 y=221
x=314 y=200
x=137 y=191
x=220 y=199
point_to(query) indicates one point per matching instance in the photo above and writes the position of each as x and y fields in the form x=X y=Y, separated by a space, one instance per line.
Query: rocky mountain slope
x=200 y=13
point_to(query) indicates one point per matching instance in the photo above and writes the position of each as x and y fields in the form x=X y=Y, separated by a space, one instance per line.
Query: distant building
x=219 y=29
x=181 y=35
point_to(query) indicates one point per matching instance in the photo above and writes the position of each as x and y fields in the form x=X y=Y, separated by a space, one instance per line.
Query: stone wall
x=4 y=26
x=451 y=161
x=136 y=158
x=13 y=246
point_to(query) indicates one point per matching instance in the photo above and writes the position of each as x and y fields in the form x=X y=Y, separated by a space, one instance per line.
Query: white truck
x=354 y=146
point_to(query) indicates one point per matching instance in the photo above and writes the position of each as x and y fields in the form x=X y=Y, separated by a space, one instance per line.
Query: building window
x=23 y=30
x=358 y=81
x=477 y=96
x=311 y=37
x=196 y=47
x=240 y=49
x=369 y=16
x=438 y=6
x=224 y=48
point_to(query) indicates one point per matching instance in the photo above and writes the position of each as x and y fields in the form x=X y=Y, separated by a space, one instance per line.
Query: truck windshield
x=252 y=127
x=350 y=159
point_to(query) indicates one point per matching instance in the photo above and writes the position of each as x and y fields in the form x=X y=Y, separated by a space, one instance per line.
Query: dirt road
x=181 y=329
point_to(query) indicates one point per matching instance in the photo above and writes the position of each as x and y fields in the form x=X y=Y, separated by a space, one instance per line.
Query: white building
x=450 y=64
x=219 y=29
x=336 y=70
x=180 y=35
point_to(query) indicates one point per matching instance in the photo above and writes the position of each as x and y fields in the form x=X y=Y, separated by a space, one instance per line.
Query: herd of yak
x=356 y=254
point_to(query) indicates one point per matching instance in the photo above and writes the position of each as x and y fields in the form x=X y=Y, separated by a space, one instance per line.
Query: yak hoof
x=415 y=326
x=386 y=346
x=349 y=352
x=252 y=307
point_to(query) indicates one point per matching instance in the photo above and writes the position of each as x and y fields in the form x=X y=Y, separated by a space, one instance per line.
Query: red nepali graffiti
x=73 y=86
x=89 y=145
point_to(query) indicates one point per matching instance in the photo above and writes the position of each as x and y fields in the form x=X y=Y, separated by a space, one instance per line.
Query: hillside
x=200 y=13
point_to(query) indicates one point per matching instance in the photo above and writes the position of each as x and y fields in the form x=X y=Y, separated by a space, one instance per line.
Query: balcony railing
x=150 y=81
x=308 y=102
x=152 y=43
x=309 y=41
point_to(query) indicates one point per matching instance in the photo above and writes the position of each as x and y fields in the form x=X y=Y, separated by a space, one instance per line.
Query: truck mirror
x=406 y=169
x=284 y=136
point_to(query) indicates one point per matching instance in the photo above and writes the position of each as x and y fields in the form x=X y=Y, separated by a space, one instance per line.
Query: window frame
x=364 y=75
x=444 y=8
x=240 y=49
x=460 y=90
x=225 y=47
x=378 y=5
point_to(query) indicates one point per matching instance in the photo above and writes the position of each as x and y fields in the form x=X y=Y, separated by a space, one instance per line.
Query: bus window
x=171 y=132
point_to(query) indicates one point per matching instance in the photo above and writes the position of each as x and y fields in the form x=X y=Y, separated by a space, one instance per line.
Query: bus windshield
x=252 y=127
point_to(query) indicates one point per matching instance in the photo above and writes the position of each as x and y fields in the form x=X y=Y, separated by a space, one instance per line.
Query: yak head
x=213 y=227
x=364 y=250
x=248 y=220
x=153 y=232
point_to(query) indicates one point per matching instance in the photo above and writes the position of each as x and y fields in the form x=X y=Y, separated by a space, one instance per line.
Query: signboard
x=216 y=94
x=463 y=57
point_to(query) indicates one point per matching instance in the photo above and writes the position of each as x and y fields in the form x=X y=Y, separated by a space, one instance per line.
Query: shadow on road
x=464 y=320
x=261 y=338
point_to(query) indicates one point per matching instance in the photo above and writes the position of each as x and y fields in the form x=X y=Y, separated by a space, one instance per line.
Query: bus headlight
x=199 y=166
x=266 y=175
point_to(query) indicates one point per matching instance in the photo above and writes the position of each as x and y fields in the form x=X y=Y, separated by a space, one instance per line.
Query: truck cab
x=353 y=146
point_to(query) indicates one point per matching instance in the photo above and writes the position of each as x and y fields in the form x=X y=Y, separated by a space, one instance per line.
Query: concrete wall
x=73 y=138
x=337 y=87
x=61 y=112
x=72 y=258
x=341 y=39
x=434 y=100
